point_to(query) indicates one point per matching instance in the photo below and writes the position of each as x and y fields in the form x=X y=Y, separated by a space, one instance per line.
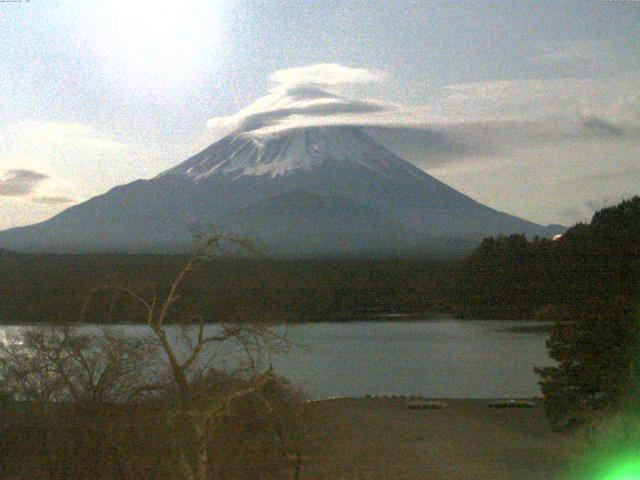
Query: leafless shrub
x=188 y=417
x=49 y=364
x=68 y=398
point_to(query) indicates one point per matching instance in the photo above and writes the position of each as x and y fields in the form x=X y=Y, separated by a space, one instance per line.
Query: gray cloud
x=53 y=200
x=474 y=120
x=602 y=127
x=426 y=146
x=600 y=203
x=572 y=52
x=614 y=175
x=308 y=92
x=21 y=182
x=288 y=106
x=585 y=211
x=273 y=117
x=575 y=215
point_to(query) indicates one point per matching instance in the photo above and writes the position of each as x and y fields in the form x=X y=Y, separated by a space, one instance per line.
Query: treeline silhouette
x=507 y=277
x=54 y=288
x=511 y=277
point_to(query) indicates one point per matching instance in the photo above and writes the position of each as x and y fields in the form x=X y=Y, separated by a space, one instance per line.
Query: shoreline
x=392 y=397
x=388 y=318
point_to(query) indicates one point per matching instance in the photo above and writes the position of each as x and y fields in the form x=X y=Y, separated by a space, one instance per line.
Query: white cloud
x=66 y=134
x=533 y=137
x=461 y=121
x=45 y=166
x=17 y=212
x=538 y=99
x=302 y=92
x=575 y=51
x=326 y=74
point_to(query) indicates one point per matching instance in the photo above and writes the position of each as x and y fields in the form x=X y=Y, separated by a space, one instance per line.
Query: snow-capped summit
x=282 y=153
x=316 y=190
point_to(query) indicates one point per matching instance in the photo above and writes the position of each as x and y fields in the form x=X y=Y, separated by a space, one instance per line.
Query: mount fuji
x=306 y=191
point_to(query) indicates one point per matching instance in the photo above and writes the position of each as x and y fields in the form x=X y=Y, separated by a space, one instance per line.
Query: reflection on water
x=447 y=358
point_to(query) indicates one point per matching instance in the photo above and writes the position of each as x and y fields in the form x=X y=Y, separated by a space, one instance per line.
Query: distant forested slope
x=506 y=277
x=53 y=288
x=510 y=277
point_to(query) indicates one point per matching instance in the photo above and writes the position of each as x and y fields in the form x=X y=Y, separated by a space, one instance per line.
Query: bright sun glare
x=157 y=43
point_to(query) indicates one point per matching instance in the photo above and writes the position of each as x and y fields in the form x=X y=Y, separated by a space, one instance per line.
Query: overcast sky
x=532 y=108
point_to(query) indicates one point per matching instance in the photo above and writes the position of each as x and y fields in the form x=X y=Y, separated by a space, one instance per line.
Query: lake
x=435 y=358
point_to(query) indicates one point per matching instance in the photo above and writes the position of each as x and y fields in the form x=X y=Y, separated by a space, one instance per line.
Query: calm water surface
x=463 y=359
x=445 y=358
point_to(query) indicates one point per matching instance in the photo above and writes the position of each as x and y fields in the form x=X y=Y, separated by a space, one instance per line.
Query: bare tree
x=198 y=405
x=62 y=364
x=64 y=385
x=166 y=393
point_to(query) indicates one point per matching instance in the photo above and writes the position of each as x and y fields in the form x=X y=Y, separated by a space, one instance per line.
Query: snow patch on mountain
x=304 y=191
x=273 y=155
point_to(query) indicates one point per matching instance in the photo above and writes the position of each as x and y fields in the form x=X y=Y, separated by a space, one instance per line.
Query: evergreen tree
x=597 y=350
x=596 y=336
x=510 y=277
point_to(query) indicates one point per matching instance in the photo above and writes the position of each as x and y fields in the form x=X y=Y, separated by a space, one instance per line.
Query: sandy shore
x=382 y=439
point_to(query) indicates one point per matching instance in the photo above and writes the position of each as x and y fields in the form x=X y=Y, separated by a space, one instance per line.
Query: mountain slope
x=320 y=224
x=354 y=185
